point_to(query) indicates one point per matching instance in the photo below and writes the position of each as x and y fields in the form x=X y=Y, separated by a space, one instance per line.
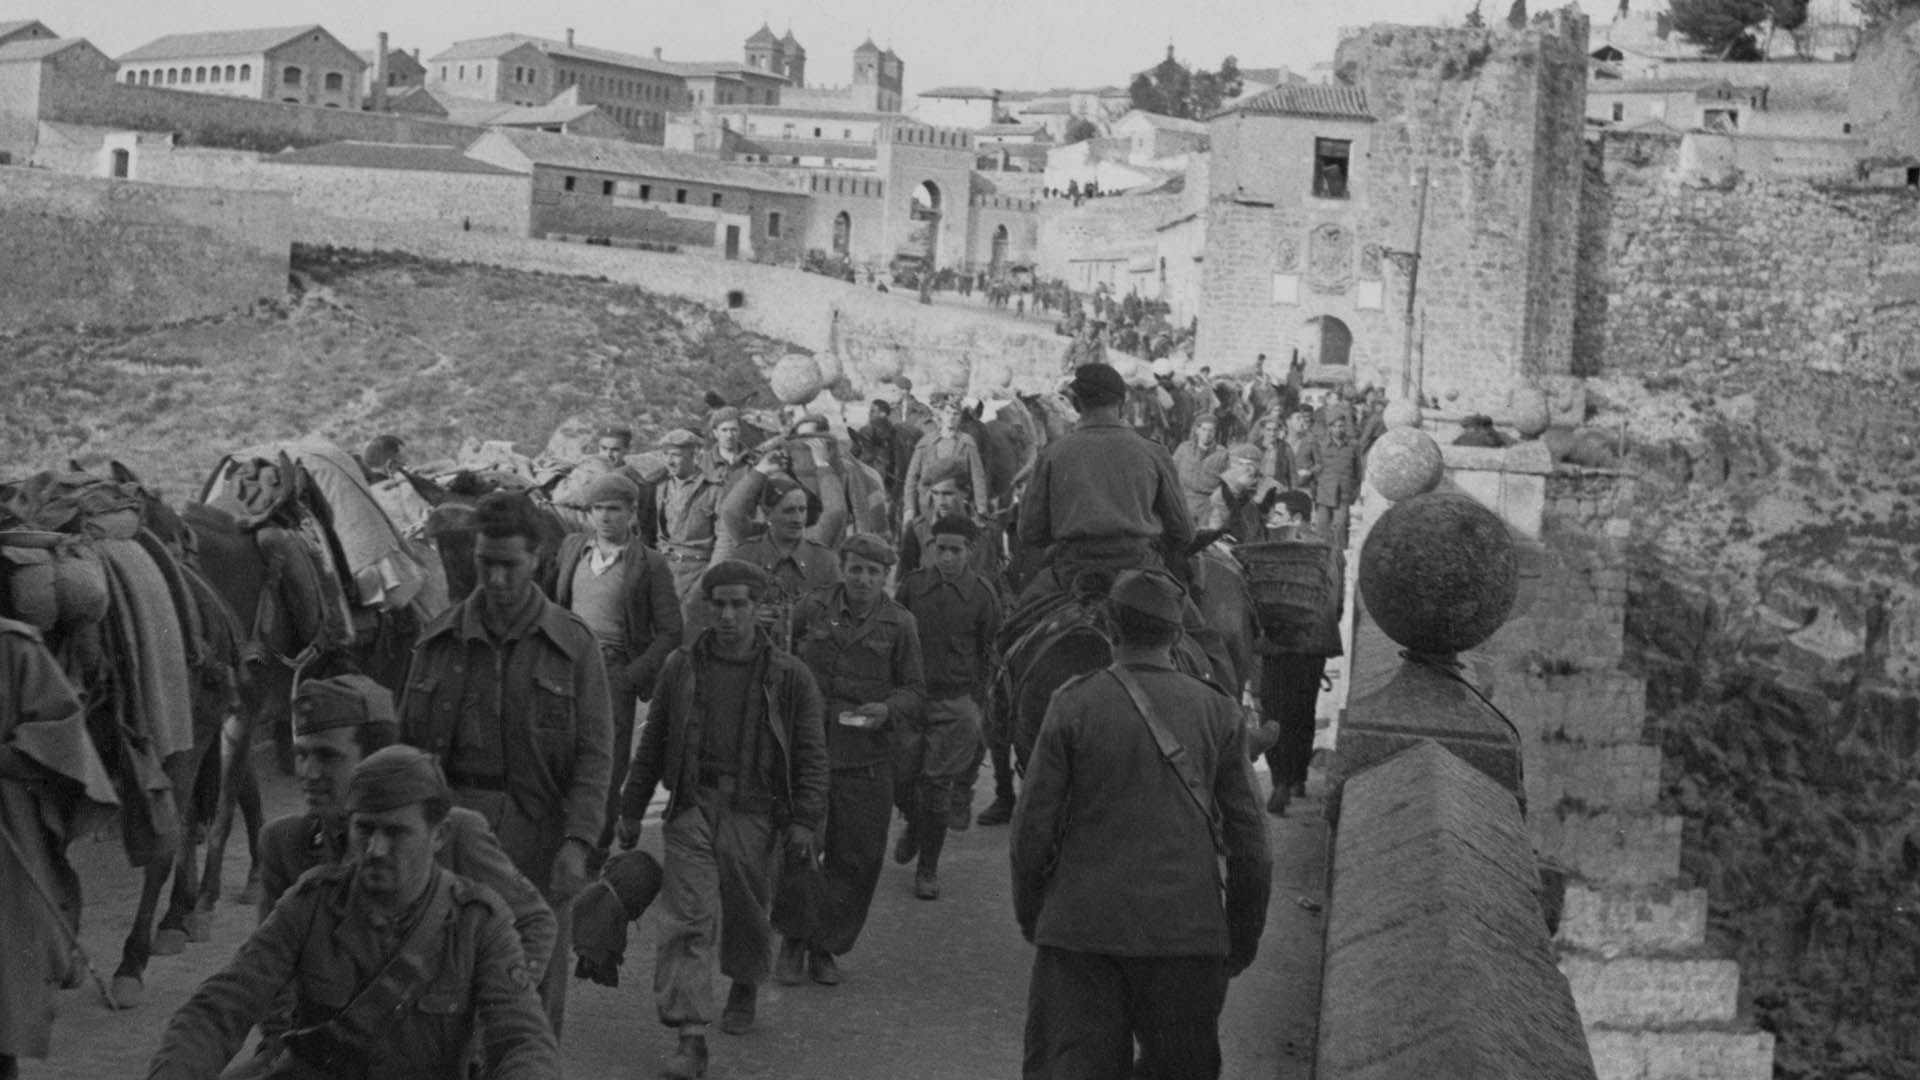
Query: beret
x=339 y=702
x=615 y=431
x=1099 y=382
x=612 y=487
x=722 y=415
x=949 y=469
x=1150 y=592
x=734 y=572
x=393 y=777
x=881 y=405
x=954 y=525
x=870 y=546
x=681 y=439
x=779 y=487
x=1245 y=451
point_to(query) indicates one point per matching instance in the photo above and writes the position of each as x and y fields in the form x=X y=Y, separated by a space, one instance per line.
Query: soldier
x=1331 y=469
x=623 y=590
x=52 y=788
x=957 y=613
x=1294 y=657
x=1198 y=463
x=508 y=689
x=948 y=494
x=781 y=546
x=735 y=735
x=689 y=526
x=337 y=723
x=615 y=443
x=725 y=458
x=864 y=651
x=1137 y=765
x=391 y=958
x=946 y=444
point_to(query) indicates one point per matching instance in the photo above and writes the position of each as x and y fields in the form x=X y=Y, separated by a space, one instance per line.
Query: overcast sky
x=1009 y=44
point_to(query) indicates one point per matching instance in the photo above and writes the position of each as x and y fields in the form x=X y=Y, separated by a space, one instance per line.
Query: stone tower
x=764 y=52
x=796 y=60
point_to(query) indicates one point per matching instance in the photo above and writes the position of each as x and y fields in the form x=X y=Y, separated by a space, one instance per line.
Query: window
x=291 y=76
x=334 y=80
x=1619 y=111
x=143 y=78
x=847 y=134
x=646 y=191
x=679 y=195
x=1913 y=176
x=132 y=78
x=816 y=133
x=463 y=73
x=443 y=73
x=199 y=75
x=715 y=199
x=246 y=72
x=606 y=187
x=1721 y=120
x=567 y=183
x=213 y=73
x=229 y=72
x=1330 y=167
x=1845 y=129
x=173 y=76
x=773 y=223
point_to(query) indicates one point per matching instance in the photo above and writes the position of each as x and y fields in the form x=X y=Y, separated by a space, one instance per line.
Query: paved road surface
x=934 y=991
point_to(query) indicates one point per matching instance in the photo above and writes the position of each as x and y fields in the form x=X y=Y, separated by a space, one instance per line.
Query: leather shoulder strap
x=364 y=1020
x=1171 y=752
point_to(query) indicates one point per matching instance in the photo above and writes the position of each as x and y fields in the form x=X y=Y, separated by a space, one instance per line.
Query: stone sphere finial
x=1439 y=573
x=796 y=379
x=1405 y=462
x=1401 y=414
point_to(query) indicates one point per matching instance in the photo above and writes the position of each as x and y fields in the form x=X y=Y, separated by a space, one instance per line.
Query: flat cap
x=612 y=487
x=342 y=701
x=779 y=487
x=954 y=525
x=615 y=431
x=681 y=439
x=722 y=415
x=393 y=777
x=870 y=546
x=1099 y=383
x=734 y=572
x=1150 y=592
x=1245 y=451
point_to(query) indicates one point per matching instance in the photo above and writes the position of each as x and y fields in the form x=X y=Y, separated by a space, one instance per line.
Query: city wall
x=1097 y=228
x=113 y=252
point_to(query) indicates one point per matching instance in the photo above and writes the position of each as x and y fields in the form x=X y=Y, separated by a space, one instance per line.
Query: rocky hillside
x=364 y=344
x=1776 y=609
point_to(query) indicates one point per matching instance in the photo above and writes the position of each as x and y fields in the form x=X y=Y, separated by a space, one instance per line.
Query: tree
x=1080 y=129
x=1874 y=13
x=1171 y=88
x=1736 y=29
x=1143 y=95
x=1475 y=20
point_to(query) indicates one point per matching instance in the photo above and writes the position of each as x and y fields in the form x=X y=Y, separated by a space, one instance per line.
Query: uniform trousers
x=1086 y=1012
x=625 y=698
x=937 y=751
x=825 y=908
x=1289 y=693
x=720 y=866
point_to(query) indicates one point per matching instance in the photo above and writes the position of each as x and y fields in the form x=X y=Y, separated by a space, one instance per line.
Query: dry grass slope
x=363 y=344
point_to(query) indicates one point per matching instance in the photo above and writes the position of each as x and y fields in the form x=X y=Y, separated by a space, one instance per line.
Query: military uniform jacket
x=292 y=845
x=792 y=779
x=957 y=621
x=1110 y=855
x=320 y=943
x=556 y=725
x=1104 y=481
x=860 y=661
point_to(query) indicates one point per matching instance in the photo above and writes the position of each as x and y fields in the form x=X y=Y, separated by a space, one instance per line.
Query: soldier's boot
x=960 y=808
x=1000 y=810
x=908 y=846
x=932 y=828
x=790 y=967
x=737 y=1018
x=689 y=1060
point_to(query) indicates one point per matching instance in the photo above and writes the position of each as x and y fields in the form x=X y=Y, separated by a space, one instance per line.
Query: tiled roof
x=787 y=148
x=797 y=112
x=544 y=114
x=1334 y=102
x=867 y=46
x=1045 y=108
x=1168 y=123
x=485 y=48
x=996 y=131
x=466 y=110
x=793 y=43
x=959 y=92
x=500 y=44
x=633 y=159
x=220 y=43
x=38 y=48
x=367 y=155
x=763 y=36
x=1658 y=86
x=14 y=26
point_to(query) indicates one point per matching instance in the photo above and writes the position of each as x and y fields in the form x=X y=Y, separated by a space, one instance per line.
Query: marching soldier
x=395 y=963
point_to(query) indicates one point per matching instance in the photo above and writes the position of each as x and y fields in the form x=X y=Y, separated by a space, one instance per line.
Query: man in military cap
x=784 y=542
x=689 y=526
x=1137 y=765
x=864 y=651
x=735 y=735
x=727 y=456
x=509 y=690
x=945 y=445
x=337 y=723
x=957 y=613
x=1104 y=496
x=949 y=493
x=623 y=590
x=391 y=958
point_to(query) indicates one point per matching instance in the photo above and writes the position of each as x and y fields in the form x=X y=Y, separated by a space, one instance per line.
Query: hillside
x=363 y=344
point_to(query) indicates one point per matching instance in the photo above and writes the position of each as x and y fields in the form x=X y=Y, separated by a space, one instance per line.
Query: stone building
x=24 y=30
x=957 y=106
x=300 y=65
x=390 y=73
x=1456 y=152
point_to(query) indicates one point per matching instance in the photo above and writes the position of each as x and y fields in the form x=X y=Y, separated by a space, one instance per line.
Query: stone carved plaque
x=1286 y=255
x=1330 y=259
x=1370 y=262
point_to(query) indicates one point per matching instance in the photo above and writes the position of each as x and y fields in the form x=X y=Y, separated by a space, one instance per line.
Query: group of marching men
x=419 y=915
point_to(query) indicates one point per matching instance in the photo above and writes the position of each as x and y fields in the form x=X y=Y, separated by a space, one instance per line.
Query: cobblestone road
x=934 y=991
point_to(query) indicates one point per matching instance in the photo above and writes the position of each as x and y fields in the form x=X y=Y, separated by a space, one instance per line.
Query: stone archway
x=842 y=233
x=924 y=213
x=1327 y=341
x=998 y=258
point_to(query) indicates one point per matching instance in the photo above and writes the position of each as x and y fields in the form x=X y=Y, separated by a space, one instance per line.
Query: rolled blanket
x=628 y=884
x=143 y=611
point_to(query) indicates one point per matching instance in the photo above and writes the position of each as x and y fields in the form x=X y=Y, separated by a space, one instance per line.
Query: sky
x=1005 y=44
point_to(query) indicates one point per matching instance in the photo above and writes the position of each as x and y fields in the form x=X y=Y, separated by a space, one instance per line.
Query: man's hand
x=627 y=831
x=799 y=844
x=569 y=870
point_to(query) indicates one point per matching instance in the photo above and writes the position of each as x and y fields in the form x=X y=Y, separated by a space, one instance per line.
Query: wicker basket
x=1291 y=583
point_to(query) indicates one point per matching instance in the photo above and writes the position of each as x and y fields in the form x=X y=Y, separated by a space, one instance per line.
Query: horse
x=105 y=658
x=449 y=527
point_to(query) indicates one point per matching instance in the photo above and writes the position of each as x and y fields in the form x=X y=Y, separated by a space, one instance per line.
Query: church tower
x=764 y=52
x=796 y=66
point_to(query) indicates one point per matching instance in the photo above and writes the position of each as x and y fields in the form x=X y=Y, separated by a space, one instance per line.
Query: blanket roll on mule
x=143 y=610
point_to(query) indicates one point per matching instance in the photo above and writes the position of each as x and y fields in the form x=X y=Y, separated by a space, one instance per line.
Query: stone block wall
x=119 y=253
x=1097 y=227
